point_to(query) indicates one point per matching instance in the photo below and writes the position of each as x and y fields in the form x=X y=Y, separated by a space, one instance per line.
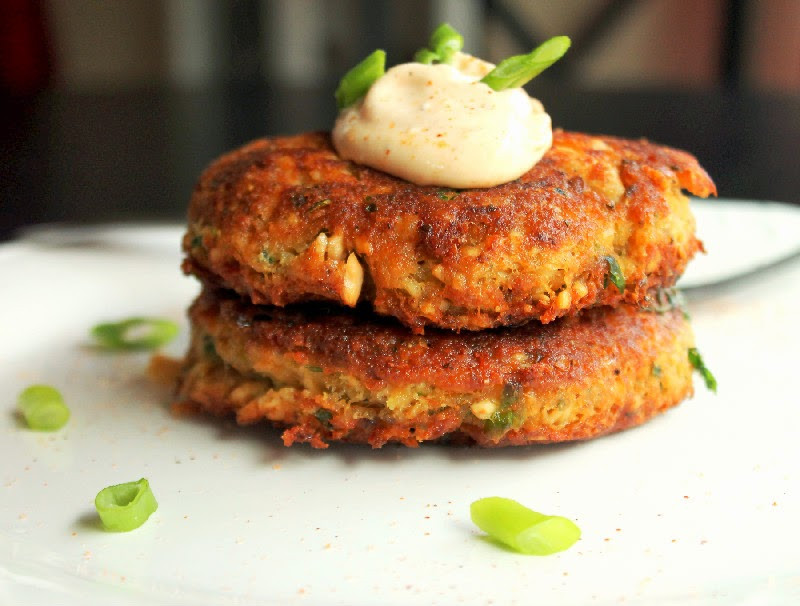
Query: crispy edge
x=354 y=233
x=586 y=383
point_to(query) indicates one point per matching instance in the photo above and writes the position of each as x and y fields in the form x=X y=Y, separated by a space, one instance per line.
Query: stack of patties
x=341 y=303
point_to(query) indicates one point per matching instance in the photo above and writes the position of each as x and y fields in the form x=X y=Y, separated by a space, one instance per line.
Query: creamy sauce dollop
x=439 y=125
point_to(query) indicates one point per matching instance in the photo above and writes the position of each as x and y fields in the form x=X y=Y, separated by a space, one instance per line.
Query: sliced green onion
x=446 y=42
x=523 y=529
x=358 y=80
x=426 y=56
x=697 y=361
x=518 y=70
x=135 y=333
x=43 y=408
x=614 y=274
x=124 y=507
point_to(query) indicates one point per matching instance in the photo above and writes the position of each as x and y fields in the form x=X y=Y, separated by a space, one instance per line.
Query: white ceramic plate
x=698 y=506
x=741 y=237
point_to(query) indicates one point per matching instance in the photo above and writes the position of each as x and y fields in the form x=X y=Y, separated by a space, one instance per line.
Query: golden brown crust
x=327 y=374
x=285 y=220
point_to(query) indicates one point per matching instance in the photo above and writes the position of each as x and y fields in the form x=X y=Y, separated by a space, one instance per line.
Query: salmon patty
x=326 y=374
x=598 y=221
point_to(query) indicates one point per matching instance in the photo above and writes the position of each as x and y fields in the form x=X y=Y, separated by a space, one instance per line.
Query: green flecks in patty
x=297 y=199
x=319 y=204
x=324 y=416
x=505 y=416
x=500 y=421
x=313 y=368
x=656 y=370
x=209 y=349
x=614 y=274
x=267 y=257
x=447 y=194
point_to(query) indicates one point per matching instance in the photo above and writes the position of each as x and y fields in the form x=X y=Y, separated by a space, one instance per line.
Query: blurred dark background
x=109 y=110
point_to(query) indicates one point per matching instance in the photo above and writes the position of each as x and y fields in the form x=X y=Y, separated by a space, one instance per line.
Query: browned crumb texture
x=286 y=220
x=328 y=374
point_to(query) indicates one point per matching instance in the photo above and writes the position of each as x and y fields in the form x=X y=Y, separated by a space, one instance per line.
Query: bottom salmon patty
x=330 y=374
